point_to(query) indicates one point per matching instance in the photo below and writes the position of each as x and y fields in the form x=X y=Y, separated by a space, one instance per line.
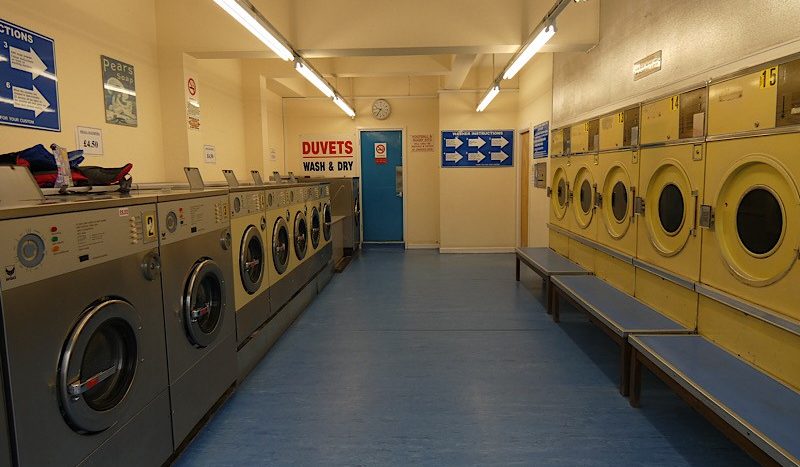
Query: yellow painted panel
x=559 y=243
x=660 y=120
x=556 y=142
x=770 y=348
x=743 y=103
x=667 y=297
x=618 y=273
x=582 y=254
x=612 y=131
x=579 y=138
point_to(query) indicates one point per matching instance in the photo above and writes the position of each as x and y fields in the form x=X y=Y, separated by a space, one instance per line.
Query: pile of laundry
x=43 y=165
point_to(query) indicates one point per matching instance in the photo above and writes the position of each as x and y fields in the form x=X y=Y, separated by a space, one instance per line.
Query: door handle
x=398 y=181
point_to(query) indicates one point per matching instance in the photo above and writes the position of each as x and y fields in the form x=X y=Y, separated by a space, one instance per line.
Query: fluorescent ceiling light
x=256 y=26
x=314 y=79
x=530 y=50
x=488 y=99
x=345 y=108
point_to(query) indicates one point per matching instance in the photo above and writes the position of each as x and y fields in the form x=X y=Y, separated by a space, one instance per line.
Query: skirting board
x=499 y=249
x=422 y=246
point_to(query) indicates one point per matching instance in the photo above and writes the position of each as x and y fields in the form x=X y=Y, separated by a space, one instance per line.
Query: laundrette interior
x=329 y=232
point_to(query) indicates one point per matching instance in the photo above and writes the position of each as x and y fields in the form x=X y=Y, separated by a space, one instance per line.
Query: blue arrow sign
x=28 y=82
x=478 y=148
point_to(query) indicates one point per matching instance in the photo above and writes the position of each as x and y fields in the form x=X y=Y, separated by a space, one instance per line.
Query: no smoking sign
x=380 y=153
x=192 y=85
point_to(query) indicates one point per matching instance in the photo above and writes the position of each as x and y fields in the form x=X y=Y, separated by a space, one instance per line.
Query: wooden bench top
x=547 y=262
x=758 y=406
x=619 y=311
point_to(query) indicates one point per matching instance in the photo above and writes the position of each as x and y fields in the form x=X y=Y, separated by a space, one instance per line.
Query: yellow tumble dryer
x=558 y=192
x=249 y=251
x=671 y=178
x=617 y=184
x=582 y=173
x=279 y=252
x=751 y=208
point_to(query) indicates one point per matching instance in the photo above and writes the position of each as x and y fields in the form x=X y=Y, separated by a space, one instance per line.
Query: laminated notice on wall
x=192 y=103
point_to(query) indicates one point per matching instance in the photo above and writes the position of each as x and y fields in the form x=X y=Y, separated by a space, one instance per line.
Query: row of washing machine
x=694 y=192
x=127 y=318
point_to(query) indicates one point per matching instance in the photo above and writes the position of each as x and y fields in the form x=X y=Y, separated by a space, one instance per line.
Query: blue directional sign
x=541 y=135
x=478 y=148
x=28 y=83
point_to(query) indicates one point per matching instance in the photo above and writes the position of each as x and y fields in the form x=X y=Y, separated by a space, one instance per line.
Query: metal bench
x=618 y=314
x=754 y=410
x=547 y=263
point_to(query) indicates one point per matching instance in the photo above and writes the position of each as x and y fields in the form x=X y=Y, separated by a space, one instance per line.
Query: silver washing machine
x=197 y=277
x=83 y=333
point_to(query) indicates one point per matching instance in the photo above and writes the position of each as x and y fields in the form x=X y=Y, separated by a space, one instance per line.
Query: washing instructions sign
x=541 y=133
x=381 y=154
x=331 y=155
x=28 y=82
x=478 y=148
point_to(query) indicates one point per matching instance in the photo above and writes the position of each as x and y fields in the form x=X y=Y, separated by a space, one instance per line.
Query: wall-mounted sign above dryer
x=28 y=82
x=478 y=148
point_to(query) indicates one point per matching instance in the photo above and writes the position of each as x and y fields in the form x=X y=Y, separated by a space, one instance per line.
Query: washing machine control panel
x=49 y=246
x=281 y=198
x=325 y=190
x=182 y=219
x=247 y=203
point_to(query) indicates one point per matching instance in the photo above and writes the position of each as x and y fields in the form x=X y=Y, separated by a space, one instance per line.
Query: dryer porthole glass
x=561 y=192
x=586 y=197
x=109 y=359
x=759 y=221
x=619 y=201
x=671 y=209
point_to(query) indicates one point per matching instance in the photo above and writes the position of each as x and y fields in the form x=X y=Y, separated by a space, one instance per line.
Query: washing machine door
x=300 y=235
x=670 y=207
x=327 y=220
x=756 y=220
x=98 y=366
x=204 y=303
x=618 y=194
x=280 y=245
x=559 y=199
x=316 y=227
x=251 y=259
x=586 y=195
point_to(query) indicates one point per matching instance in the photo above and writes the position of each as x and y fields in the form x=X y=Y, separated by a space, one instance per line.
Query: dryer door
x=251 y=259
x=617 y=201
x=670 y=207
x=559 y=199
x=585 y=194
x=315 y=227
x=300 y=235
x=280 y=245
x=204 y=303
x=756 y=221
x=98 y=364
x=327 y=220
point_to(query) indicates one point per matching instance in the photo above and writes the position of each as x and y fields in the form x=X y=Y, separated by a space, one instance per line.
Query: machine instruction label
x=28 y=81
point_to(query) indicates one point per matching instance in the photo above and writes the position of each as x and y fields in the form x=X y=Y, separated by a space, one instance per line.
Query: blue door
x=382 y=204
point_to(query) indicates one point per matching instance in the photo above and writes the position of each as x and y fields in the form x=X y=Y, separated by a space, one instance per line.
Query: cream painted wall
x=414 y=114
x=83 y=31
x=536 y=106
x=477 y=206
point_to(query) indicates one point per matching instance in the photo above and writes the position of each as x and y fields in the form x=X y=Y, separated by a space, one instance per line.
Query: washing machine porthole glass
x=280 y=246
x=300 y=236
x=251 y=260
x=315 y=227
x=619 y=201
x=204 y=303
x=111 y=349
x=562 y=192
x=671 y=209
x=759 y=221
x=327 y=221
x=586 y=197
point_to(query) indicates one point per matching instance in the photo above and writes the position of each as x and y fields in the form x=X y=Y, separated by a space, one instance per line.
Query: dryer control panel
x=48 y=246
x=247 y=203
x=182 y=219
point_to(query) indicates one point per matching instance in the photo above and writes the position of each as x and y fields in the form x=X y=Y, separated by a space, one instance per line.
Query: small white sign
x=209 y=154
x=380 y=150
x=90 y=140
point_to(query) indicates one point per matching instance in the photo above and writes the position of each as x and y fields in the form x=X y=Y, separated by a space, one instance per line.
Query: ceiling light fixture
x=314 y=78
x=249 y=17
x=488 y=98
x=344 y=106
x=530 y=50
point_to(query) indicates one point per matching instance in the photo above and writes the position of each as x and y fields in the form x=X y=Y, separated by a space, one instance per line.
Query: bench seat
x=547 y=263
x=747 y=404
x=615 y=312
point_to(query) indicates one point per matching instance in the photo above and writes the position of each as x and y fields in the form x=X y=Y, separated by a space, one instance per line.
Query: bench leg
x=517 y=268
x=556 y=302
x=625 y=368
x=635 y=379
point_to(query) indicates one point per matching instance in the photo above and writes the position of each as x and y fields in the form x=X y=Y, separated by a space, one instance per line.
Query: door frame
x=404 y=161
x=524 y=162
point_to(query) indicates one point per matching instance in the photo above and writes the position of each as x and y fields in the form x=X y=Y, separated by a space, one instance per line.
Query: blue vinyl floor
x=416 y=358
